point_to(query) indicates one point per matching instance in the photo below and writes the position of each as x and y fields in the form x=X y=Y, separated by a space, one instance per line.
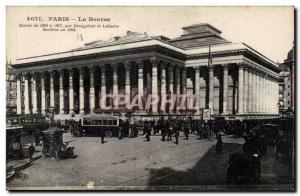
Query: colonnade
x=257 y=91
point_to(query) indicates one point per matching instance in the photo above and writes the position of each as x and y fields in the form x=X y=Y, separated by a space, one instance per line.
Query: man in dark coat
x=148 y=131
x=102 y=135
x=219 y=144
x=177 y=136
x=186 y=132
x=170 y=131
x=163 y=131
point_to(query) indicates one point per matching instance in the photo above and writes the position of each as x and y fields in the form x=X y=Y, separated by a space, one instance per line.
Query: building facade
x=286 y=85
x=11 y=91
x=231 y=80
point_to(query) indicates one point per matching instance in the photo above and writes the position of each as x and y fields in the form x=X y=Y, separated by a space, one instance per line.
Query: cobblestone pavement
x=133 y=163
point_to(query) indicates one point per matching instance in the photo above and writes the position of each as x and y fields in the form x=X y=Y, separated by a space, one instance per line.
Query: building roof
x=128 y=38
x=193 y=43
x=198 y=35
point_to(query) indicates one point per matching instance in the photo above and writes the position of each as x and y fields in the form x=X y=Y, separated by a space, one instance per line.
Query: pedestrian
x=102 y=135
x=219 y=144
x=30 y=152
x=163 y=131
x=148 y=132
x=170 y=131
x=177 y=136
x=120 y=130
x=186 y=132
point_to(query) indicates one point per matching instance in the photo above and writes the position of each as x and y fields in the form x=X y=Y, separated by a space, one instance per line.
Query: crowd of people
x=170 y=130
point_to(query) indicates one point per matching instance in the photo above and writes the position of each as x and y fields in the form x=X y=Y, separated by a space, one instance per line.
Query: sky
x=269 y=30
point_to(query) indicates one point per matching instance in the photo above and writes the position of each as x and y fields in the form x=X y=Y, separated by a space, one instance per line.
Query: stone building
x=11 y=91
x=286 y=85
x=232 y=80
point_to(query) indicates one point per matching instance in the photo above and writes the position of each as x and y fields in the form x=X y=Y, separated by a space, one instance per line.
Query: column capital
x=19 y=76
x=92 y=67
x=34 y=75
x=81 y=69
x=61 y=71
x=225 y=65
x=170 y=68
x=103 y=68
x=163 y=65
x=127 y=65
x=197 y=68
x=52 y=72
x=26 y=75
x=154 y=60
x=241 y=65
x=139 y=61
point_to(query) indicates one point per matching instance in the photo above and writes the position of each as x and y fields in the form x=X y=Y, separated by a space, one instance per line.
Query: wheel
x=108 y=134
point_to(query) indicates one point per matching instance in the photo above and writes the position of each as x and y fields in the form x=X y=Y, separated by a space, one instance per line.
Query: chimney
x=117 y=38
x=129 y=33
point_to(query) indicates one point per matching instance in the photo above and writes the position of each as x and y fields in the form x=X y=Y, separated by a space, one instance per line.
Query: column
x=34 y=95
x=245 y=96
x=52 y=89
x=103 y=88
x=264 y=94
x=183 y=83
x=272 y=89
x=19 y=95
x=257 y=93
x=81 y=91
x=171 y=84
x=197 y=88
x=277 y=95
x=254 y=91
x=26 y=94
x=127 y=84
x=211 y=89
x=92 y=90
x=154 y=84
x=61 y=92
x=225 y=88
x=115 y=85
x=241 y=89
x=177 y=77
x=250 y=91
x=260 y=92
x=140 y=80
x=43 y=94
x=171 y=80
x=71 y=92
x=163 y=90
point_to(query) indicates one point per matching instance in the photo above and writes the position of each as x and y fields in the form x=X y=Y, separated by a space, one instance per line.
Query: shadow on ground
x=210 y=169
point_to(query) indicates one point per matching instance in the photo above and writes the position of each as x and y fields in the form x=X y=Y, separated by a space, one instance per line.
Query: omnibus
x=98 y=125
x=29 y=122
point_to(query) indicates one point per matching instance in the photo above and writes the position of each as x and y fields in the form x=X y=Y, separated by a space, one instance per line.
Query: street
x=134 y=164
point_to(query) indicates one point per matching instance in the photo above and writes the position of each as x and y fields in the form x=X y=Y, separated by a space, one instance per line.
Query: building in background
x=286 y=85
x=11 y=91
